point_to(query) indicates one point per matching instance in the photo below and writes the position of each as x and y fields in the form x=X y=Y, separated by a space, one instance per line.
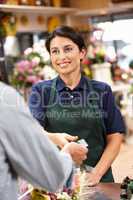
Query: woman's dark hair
x=68 y=32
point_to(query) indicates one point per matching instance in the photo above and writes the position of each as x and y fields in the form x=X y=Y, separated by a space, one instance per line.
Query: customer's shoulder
x=10 y=97
x=6 y=90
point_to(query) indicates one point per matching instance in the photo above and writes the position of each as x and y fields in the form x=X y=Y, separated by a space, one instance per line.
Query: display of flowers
x=96 y=54
x=66 y=194
x=75 y=191
x=86 y=67
x=28 y=70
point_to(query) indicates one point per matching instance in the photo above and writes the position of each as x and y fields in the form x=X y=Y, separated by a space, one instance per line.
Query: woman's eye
x=68 y=49
x=54 y=51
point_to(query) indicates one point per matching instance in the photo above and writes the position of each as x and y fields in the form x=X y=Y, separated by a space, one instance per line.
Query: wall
x=89 y=4
x=31 y=22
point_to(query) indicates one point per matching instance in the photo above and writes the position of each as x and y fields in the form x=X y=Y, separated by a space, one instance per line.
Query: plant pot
x=102 y=72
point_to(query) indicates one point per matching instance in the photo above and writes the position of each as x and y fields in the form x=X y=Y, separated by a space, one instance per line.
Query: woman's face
x=65 y=55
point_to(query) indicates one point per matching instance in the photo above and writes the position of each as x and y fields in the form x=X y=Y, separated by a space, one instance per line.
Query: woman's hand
x=78 y=152
x=93 y=178
x=61 y=139
x=111 y=151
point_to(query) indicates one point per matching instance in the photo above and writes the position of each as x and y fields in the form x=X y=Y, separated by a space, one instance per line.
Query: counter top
x=103 y=191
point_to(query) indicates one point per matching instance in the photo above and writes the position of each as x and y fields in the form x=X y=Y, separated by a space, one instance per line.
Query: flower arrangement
x=74 y=193
x=28 y=70
x=96 y=54
x=86 y=67
x=66 y=194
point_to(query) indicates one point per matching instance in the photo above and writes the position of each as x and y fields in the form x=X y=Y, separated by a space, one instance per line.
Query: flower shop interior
x=106 y=27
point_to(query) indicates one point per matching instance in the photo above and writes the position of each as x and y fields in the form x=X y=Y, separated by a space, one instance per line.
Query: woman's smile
x=64 y=64
x=65 y=55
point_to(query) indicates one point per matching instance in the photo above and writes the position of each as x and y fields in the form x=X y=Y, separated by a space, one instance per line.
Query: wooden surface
x=47 y=10
x=103 y=191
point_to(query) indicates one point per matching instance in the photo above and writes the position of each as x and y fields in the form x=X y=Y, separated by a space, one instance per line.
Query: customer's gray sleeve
x=31 y=154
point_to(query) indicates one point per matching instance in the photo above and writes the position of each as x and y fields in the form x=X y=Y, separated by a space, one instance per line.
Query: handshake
x=70 y=144
x=78 y=151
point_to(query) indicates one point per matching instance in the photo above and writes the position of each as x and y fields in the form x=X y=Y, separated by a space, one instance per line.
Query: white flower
x=41 y=49
x=28 y=51
x=46 y=56
x=49 y=72
x=36 y=59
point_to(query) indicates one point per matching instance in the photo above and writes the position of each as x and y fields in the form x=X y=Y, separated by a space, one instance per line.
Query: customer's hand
x=61 y=139
x=78 y=152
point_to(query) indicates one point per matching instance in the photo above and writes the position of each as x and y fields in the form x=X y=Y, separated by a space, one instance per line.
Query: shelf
x=37 y=9
x=90 y=12
x=110 y=9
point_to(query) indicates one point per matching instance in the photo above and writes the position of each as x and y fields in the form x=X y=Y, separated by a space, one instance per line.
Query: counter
x=103 y=191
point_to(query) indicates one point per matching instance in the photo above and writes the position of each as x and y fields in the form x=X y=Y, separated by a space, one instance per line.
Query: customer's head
x=3 y=73
x=0 y=73
x=67 y=50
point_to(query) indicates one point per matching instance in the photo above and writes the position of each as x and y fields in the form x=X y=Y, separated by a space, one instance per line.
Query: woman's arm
x=111 y=151
x=114 y=128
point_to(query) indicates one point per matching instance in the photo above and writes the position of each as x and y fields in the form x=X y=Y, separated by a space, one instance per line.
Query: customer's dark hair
x=68 y=32
x=3 y=71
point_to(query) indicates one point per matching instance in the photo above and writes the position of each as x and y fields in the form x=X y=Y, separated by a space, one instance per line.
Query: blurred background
x=106 y=26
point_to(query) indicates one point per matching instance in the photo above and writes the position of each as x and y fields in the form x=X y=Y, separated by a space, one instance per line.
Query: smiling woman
x=62 y=105
x=65 y=56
